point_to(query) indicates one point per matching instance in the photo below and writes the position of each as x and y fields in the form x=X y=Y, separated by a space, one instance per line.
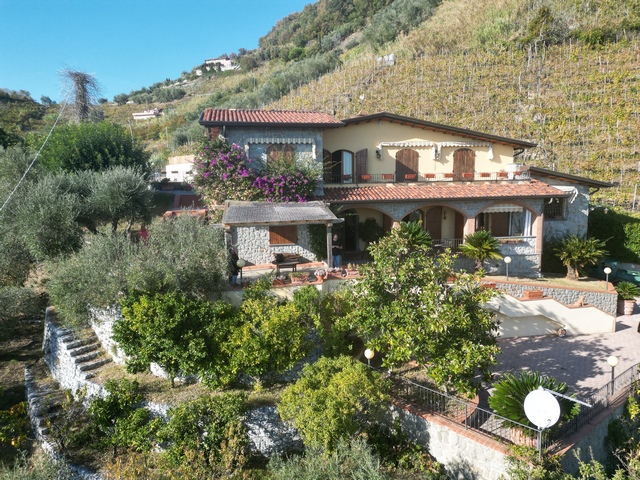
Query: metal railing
x=624 y=384
x=426 y=177
x=502 y=429
x=452 y=243
x=468 y=414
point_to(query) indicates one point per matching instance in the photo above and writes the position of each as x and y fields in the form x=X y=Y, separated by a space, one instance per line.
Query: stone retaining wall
x=605 y=301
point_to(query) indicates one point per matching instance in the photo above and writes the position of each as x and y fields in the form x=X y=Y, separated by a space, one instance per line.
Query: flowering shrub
x=224 y=172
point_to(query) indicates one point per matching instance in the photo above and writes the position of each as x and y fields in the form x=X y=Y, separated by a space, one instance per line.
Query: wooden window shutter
x=361 y=162
x=283 y=235
x=464 y=161
x=326 y=166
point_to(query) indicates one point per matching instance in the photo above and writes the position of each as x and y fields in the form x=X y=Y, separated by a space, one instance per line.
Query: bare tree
x=82 y=91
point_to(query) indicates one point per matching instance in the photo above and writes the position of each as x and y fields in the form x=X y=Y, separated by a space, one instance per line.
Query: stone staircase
x=87 y=354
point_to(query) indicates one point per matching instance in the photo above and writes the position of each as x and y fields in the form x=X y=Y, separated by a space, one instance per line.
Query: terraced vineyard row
x=581 y=105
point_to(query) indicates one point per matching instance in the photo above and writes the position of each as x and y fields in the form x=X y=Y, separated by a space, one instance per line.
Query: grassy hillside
x=578 y=99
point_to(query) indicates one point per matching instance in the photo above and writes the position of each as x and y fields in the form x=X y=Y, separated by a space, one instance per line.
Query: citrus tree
x=405 y=306
x=334 y=398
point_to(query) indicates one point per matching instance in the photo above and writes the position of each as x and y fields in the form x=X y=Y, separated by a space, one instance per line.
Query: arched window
x=342 y=166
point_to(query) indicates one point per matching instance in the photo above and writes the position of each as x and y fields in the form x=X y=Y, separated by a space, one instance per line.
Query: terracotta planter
x=448 y=175
x=626 y=306
x=429 y=176
x=485 y=174
x=365 y=178
x=467 y=176
x=503 y=174
x=531 y=294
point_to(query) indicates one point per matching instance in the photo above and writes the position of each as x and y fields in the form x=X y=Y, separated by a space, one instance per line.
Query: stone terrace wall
x=605 y=301
x=465 y=453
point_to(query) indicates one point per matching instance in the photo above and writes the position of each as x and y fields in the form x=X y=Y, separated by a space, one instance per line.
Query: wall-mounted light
x=606 y=210
x=378 y=153
x=444 y=214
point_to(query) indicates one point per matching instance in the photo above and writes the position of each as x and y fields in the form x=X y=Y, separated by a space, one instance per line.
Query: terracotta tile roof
x=453 y=191
x=216 y=116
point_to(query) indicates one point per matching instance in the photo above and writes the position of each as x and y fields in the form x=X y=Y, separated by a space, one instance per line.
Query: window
x=281 y=153
x=283 y=235
x=555 y=208
x=342 y=167
x=505 y=224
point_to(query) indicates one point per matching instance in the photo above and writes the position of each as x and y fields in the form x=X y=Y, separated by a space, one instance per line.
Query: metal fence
x=624 y=384
x=488 y=423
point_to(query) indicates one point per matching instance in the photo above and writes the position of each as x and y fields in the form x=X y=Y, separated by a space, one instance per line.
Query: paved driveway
x=580 y=361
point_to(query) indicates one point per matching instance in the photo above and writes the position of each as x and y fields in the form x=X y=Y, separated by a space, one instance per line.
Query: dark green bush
x=507 y=400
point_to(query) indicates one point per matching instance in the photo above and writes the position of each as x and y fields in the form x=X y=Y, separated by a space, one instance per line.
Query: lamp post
x=607 y=271
x=369 y=354
x=613 y=362
x=507 y=261
x=241 y=263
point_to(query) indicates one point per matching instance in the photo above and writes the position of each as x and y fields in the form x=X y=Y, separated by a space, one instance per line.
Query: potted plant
x=627 y=293
x=481 y=246
x=299 y=277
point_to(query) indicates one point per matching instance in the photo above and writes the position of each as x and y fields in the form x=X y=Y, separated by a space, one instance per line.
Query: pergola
x=255 y=214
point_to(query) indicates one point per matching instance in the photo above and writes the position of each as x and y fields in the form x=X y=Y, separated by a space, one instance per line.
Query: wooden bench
x=292 y=264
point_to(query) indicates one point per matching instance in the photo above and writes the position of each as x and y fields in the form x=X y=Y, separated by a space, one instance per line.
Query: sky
x=125 y=44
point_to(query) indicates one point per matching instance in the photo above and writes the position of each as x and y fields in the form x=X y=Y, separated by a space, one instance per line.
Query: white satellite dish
x=541 y=408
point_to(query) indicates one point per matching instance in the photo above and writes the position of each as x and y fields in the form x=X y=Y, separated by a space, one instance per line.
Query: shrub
x=350 y=459
x=208 y=425
x=627 y=290
x=334 y=398
x=117 y=419
x=575 y=252
x=20 y=303
x=481 y=246
x=507 y=400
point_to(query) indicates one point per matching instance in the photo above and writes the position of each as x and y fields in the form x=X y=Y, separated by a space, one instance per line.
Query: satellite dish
x=541 y=408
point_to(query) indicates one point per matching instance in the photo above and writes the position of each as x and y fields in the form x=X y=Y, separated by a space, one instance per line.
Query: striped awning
x=274 y=140
x=503 y=207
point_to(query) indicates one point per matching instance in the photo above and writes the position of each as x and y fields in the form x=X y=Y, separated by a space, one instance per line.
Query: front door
x=433 y=222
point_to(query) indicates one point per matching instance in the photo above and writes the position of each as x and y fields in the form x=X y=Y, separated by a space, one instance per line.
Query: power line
x=34 y=159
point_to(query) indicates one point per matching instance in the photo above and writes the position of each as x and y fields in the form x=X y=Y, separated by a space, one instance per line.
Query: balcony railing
x=427 y=177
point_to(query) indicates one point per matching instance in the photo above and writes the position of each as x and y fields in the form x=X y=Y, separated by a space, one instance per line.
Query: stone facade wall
x=312 y=148
x=253 y=244
x=577 y=212
x=605 y=301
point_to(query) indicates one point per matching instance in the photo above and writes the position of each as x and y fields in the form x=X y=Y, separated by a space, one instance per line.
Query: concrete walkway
x=580 y=361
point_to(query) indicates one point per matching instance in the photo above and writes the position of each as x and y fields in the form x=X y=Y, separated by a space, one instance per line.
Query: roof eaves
x=567 y=176
x=439 y=128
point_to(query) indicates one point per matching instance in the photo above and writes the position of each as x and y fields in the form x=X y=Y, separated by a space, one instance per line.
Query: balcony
x=428 y=177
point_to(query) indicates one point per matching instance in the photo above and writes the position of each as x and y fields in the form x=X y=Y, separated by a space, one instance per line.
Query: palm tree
x=575 y=252
x=481 y=246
